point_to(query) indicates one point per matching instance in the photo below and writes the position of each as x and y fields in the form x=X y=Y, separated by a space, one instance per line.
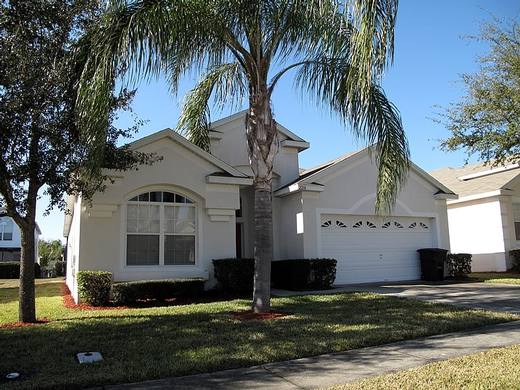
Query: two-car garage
x=372 y=249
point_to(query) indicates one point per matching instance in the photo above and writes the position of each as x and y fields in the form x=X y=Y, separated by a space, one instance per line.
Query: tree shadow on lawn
x=145 y=345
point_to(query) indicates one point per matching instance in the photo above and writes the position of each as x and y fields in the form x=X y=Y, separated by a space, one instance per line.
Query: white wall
x=232 y=149
x=16 y=241
x=102 y=226
x=476 y=228
x=73 y=245
x=350 y=188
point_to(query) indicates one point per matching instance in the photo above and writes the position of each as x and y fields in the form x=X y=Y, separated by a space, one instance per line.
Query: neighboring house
x=11 y=239
x=485 y=219
x=169 y=220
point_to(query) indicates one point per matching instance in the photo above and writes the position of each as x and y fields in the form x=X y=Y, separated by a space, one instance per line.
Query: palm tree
x=335 y=50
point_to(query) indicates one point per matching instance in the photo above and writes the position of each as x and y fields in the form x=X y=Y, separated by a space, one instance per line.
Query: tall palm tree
x=335 y=50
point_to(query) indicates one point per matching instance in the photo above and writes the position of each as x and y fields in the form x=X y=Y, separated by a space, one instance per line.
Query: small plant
x=128 y=293
x=515 y=256
x=94 y=287
x=459 y=265
x=235 y=275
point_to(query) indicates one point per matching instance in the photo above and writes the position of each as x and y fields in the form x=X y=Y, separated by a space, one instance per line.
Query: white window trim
x=3 y=225
x=161 y=266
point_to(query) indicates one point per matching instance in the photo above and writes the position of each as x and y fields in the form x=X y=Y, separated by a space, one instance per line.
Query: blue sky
x=430 y=55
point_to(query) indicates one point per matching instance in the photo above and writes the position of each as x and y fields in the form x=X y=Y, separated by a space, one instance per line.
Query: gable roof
x=241 y=115
x=176 y=137
x=309 y=176
x=477 y=178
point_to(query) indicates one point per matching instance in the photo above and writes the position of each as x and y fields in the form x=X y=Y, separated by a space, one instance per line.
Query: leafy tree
x=40 y=144
x=242 y=48
x=50 y=252
x=486 y=121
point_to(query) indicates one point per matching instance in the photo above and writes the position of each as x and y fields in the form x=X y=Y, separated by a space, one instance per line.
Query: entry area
x=374 y=249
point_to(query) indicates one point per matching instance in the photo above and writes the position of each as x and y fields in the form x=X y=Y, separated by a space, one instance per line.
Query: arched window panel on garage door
x=385 y=252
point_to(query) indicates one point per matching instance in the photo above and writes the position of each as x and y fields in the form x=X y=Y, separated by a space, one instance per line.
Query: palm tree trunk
x=261 y=136
x=27 y=310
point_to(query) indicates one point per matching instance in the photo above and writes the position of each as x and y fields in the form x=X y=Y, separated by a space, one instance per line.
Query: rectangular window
x=517 y=231
x=179 y=250
x=6 y=229
x=142 y=249
x=153 y=224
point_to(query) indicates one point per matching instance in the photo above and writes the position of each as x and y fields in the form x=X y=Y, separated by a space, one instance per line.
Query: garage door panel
x=370 y=249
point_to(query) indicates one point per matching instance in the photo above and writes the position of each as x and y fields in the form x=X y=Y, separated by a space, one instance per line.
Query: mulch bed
x=69 y=303
x=250 y=315
x=13 y=325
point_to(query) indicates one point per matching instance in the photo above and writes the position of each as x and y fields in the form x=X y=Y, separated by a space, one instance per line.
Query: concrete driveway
x=473 y=295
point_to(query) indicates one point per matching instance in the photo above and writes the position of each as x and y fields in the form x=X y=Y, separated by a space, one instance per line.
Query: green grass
x=496 y=277
x=494 y=369
x=140 y=344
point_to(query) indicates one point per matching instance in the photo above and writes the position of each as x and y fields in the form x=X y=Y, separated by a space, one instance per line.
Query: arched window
x=160 y=229
x=6 y=229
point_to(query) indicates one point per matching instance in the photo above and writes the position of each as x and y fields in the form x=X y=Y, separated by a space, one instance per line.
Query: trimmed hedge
x=11 y=270
x=459 y=265
x=128 y=293
x=94 y=287
x=303 y=274
x=515 y=255
x=235 y=275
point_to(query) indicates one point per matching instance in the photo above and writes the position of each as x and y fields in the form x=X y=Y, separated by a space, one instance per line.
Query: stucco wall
x=476 y=228
x=289 y=240
x=73 y=242
x=351 y=189
x=102 y=227
x=232 y=148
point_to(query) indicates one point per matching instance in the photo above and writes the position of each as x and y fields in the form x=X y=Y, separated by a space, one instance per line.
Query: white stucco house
x=11 y=239
x=485 y=219
x=169 y=220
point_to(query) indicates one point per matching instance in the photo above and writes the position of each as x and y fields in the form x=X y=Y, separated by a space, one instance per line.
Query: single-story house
x=11 y=239
x=170 y=219
x=485 y=219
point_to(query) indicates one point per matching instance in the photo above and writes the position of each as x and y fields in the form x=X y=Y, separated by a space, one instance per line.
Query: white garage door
x=373 y=249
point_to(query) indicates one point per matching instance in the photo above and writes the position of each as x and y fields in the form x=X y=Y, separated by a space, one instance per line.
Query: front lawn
x=148 y=343
x=496 y=277
x=494 y=369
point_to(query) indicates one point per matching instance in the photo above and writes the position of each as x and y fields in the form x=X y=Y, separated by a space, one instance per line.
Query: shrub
x=94 y=287
x=459 y=265
x=515 y=255
x=59 y=268
x=11 y=270
x=235 y=275
x=304 y=274
x=128 y=293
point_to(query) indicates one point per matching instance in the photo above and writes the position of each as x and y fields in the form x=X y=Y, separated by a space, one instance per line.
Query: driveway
x=473 y=295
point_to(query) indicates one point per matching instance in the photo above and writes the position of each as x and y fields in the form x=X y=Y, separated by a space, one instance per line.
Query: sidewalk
x=338 y=368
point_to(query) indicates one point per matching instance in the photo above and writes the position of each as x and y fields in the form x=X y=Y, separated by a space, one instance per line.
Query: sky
x=431 y=52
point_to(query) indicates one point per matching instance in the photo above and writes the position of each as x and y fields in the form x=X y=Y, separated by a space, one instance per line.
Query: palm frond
x=372 y=42
x=225 y=82
x=372 y=118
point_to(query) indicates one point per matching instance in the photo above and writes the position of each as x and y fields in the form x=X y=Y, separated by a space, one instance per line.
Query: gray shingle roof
x=451 y=178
